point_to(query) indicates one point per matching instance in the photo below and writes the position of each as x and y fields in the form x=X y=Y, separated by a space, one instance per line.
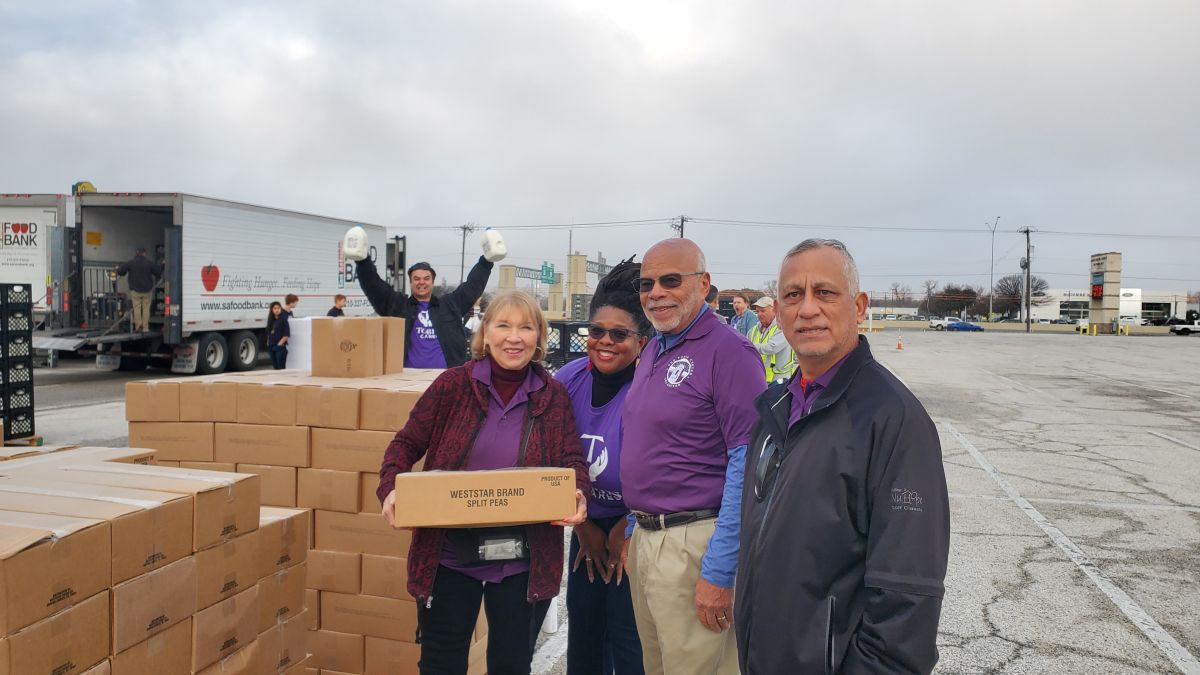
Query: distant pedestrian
x=281 y=331
x=844 y=546
x=143 y=274
x=743 y=319
x=779 y=362
x=339 y=303
x=714 y=303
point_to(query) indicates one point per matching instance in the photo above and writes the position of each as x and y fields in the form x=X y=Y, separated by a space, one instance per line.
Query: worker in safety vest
x=779 y=362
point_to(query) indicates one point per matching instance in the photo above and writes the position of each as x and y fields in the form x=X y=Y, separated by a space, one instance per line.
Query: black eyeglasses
x=673 y=280
x=617 y=334
x=766 y=469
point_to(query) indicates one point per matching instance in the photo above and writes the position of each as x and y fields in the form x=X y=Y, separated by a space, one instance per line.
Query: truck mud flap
x=186 y=357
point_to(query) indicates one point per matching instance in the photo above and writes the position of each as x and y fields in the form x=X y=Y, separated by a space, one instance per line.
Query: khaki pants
x=141 y=310
x=664 y=566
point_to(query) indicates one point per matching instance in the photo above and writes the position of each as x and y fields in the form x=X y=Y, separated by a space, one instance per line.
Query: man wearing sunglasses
x=687 y=419
x=846 y=526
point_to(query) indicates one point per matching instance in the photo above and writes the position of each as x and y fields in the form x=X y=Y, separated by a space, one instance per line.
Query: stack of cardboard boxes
x=108 y=566
x=316 y=443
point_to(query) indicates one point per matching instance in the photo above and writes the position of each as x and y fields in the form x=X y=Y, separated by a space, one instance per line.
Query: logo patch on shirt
x=679 y=370
x=597 y=461
x=424 y=320
x=907 y=500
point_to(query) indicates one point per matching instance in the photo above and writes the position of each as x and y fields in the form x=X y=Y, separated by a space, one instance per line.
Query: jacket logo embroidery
x=679 y=370
x=907 y=500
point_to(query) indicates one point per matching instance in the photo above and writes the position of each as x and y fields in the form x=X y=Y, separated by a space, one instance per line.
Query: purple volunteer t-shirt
x=496 y=447
x=424 y=351
x=686 y=407
x=600 y=432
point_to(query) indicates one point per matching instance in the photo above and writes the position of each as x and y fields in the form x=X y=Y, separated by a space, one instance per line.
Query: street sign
x=547 y=273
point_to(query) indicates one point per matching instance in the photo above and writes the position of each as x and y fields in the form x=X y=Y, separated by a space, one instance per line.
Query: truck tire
x=939 y=327
x=213 y=354
x=1184 y=331
x=243 y=351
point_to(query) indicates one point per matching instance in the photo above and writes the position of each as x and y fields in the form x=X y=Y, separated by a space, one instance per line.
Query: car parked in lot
x=1185 y=329
x=964 y=326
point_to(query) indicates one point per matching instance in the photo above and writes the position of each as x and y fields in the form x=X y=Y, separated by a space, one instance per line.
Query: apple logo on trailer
x=209 y=275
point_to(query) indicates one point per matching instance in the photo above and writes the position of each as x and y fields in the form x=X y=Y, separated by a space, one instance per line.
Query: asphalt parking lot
x=1073 y=465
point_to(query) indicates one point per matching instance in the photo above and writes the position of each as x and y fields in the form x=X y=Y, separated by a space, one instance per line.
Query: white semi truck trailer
x=223 y=263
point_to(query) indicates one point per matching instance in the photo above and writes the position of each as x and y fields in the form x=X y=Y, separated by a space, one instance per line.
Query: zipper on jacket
x=525 y=442
x=830 y=647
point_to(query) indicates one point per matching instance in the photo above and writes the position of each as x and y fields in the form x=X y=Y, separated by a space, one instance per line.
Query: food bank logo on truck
x=20 y=234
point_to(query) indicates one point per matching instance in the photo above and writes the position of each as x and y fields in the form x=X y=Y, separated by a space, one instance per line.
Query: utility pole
x=679 y=226
x=1027 y=263
x=462 y=263
x=992 y=268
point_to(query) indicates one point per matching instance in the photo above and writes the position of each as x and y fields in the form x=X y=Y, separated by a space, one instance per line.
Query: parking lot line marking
x=1142 y=386
x=1174 y=440
x=1170 y=647
x=548 y=655
x=1118 y=506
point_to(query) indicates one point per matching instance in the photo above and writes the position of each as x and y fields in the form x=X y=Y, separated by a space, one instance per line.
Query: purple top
x=600 y=431
x=496 y=447
x=424 y=350
x=805 y=392
x=686 y=408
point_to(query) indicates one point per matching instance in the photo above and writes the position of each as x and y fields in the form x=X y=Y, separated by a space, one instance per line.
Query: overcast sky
x=1073 y=117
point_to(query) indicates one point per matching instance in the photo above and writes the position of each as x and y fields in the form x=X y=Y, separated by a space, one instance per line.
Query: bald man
x=688 y=416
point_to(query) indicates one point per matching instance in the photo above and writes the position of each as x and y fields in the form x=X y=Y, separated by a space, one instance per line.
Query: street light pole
x=992 y=269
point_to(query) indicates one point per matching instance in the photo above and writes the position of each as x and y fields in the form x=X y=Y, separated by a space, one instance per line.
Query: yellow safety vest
x=775 y=366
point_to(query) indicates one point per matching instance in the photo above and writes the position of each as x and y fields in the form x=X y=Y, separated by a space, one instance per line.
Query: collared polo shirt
x=689 y=403
x=804 y=396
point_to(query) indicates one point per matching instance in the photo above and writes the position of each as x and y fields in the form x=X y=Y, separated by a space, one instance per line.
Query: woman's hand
x=389 y=509
x=592 y=551
x=618 y=551
x=580 y=512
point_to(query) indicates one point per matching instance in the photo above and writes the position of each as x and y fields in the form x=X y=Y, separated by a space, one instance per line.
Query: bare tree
x=771 y=288
x=1010 y=289
x=906 y=292
x=929 y=285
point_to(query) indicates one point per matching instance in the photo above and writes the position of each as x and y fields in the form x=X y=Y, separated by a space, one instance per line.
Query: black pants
x=278 y=356
x=603 y=637
x=447 y=624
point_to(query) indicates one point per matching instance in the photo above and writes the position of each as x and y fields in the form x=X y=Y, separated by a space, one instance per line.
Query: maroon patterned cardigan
x=442 y=428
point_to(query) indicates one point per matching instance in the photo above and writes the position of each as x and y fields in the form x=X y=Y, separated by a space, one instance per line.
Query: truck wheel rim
x=213 y=355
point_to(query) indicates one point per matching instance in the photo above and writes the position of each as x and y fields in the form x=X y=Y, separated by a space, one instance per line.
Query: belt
x=661 y=521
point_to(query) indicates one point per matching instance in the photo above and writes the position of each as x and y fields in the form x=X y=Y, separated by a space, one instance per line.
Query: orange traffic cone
x=899 y=341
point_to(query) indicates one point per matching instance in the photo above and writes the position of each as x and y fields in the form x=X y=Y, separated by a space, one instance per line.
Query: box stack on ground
x=317 y=443
x=16 y=361
x=126 y=568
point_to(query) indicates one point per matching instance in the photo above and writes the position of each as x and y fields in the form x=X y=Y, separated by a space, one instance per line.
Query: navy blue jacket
x=845 y=531
x=280 y=329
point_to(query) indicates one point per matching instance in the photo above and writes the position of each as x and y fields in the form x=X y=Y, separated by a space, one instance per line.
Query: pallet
x=27 y=442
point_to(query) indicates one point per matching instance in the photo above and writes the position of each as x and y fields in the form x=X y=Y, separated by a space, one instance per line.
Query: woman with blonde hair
x=501 y=409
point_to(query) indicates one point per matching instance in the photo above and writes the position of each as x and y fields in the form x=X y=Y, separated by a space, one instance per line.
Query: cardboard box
x=394 y=331
x=278 y=483
x=153 y=602
x=41 y=648
x=246 y=661
x=169 y=463
x=360 y=533
x=385 y=576
x=224 y=628
x=174 y=441
x=76 y=455
x=387 y=409
x=328 y=489
x=281 y=596
x=202 y=400
x=102 y=668
x=391 y=657
x=336 y=571
x=225 y=504
x=262 y=444
x=152 y=401
x=330 y=403
x=149 y=529
x=368 y=615
x=484 y=498
x=227 y=569
x=347 y=347
x=282 y=538
x=227 y=467
x=368 y=502
x=284 y=645
x=349 y=450
x=167 y=652
x=336 y=651
x=312 y=605
x=49 y=563
x=266 y=403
